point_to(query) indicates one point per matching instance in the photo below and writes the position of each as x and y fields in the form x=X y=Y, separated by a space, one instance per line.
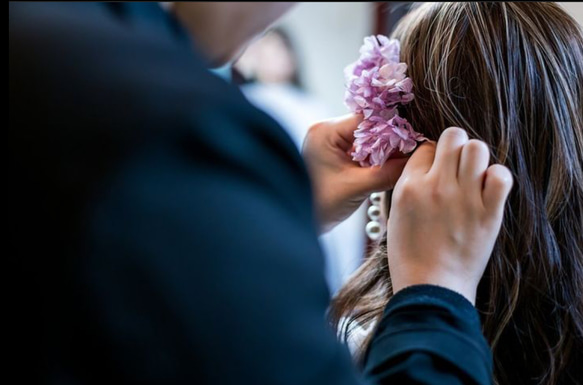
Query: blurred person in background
x=270 y=77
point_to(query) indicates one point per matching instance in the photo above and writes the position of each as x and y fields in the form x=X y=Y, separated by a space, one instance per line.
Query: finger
x=497 y=186
x=448 y=151
x=474 y=161
x=422 y=159
x=371 y=179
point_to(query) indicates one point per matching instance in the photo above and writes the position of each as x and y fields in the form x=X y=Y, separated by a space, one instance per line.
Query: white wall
x=575 y=9
x=328 y=36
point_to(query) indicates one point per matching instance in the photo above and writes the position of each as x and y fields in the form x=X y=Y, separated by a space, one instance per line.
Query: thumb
x=345 y=127
x=370 y=179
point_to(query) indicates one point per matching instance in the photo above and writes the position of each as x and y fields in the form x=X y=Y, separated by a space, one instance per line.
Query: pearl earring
x=373 y=227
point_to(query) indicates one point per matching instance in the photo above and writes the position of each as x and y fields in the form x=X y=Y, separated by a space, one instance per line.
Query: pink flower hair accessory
x=376 y=85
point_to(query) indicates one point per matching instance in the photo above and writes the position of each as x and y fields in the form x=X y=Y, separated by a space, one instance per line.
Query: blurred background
x=295 y=73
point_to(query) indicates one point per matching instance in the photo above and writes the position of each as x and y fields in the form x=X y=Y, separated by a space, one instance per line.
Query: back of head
x=511 y=74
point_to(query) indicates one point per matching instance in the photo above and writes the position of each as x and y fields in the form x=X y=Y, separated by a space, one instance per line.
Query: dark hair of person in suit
x=512 y=75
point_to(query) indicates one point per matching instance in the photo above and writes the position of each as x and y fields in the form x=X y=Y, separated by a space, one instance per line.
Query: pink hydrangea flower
x=376 y=85
x=377 y=139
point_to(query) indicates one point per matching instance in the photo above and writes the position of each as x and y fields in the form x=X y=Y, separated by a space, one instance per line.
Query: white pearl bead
x=374 y=212
x=373 y=230
x=375 y=198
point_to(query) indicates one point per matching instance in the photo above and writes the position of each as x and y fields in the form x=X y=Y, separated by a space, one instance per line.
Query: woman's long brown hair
x=511 y=74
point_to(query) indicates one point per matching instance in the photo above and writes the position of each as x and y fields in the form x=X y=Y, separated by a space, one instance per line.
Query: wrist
x=455 y=282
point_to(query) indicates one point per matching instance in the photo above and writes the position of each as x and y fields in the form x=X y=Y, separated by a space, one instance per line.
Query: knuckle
x=424 y=150
x=315 y=127
x=475 y=146
x=427 y=146
x=439 y=194
x=442 y=191
x=455 y=132
x=496 y=181
x=405 y=192
x=500 y=176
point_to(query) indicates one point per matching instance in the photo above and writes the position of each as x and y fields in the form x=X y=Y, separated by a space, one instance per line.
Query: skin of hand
x=340 y=185
x=446 y=213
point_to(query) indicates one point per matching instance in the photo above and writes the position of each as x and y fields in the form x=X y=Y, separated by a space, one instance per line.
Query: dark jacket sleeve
x=178 y=218
x=429 y=335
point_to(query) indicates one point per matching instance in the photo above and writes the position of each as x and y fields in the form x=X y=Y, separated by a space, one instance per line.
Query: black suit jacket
x=165 y=226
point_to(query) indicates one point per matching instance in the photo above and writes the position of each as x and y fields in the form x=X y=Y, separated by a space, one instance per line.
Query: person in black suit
x=167 y=229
